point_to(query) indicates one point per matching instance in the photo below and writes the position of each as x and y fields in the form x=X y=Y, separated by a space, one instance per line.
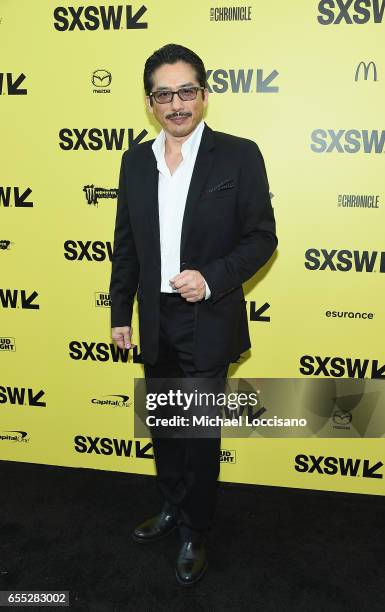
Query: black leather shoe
x=155 y=528
x=191 y=563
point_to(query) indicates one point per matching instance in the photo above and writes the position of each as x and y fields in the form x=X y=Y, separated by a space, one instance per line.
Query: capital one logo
x=344 y=260
x=347 y=141
x=99 y=17
x=365 y=69
x=350 y=12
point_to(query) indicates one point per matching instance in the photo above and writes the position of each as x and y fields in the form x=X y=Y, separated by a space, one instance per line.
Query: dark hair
x=170 y=54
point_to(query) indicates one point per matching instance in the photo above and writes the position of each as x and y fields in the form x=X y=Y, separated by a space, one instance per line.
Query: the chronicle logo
x=356 y=12
x=14 y=435
x=228 y=456
x=348 y=200
x=5 y=244
x=101 y=79
x=11 y=84
x=115 y=400
x=94 y=194
x=18 y=298
x=95 y=139
x=341 y=466
x=347 y=141
x=364 y=69
x=338 y=367
x=19 y=199
x=241 y=80
x=91 y=18
x=102 y=299
x=7 y=345
x=113 y=446
x=343 y=260
x=78 y=250
x=81 y=350
x=230 y=13
x=22 y=396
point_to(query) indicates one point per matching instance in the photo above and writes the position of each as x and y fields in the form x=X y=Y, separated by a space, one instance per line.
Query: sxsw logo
x=364 y=69
x=99 y=17
x=22 y=396
x=97 y=250
x=95 y=139
x=259 y=313
x=102 y=299
x=350 y=11
x=113 y=446
x=242 y=80
x=80 y=350
x=337 y=367
x=14 y=196
x=18 y=298
x=11 y=84
x=7 y=345
x=347 y=141
x=340 y=466
x=228 y=456
x=344 y=260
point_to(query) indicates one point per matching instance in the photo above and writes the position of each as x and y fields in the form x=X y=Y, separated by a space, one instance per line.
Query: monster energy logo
x=94 y=193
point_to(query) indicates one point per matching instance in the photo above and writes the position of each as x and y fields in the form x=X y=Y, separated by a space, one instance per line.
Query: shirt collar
x=158 y=146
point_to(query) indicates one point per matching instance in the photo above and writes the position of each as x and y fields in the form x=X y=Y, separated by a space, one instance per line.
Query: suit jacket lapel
x=202 y=167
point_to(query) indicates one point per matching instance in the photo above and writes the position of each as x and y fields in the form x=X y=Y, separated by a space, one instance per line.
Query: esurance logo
x=338 y=367
x=340 y=466
x=344 y=260
x=68 y=18
x=113 y=446
x=347 y=141
x=242 y=80
x=350 y=11
x=95 y=139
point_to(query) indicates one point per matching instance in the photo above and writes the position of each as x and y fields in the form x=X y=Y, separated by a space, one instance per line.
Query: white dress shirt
x=172 y=195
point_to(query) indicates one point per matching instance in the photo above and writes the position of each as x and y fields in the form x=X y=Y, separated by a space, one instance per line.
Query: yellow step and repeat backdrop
x=305 y=80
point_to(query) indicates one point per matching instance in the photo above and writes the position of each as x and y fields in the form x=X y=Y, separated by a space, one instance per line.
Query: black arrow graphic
x=256 y=315
x=369 y=470
x=141 y=453
x=377 y=371
x=135 y=140
x=132 y=20
x=34 y=399
x=20 y=200
x=13 y=86
x=26 y=302
x=263 y=84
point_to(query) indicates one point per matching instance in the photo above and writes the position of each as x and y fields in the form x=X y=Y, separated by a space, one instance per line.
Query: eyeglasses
x=184 y=93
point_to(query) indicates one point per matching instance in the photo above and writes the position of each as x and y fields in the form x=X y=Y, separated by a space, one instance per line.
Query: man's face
x=179 y=118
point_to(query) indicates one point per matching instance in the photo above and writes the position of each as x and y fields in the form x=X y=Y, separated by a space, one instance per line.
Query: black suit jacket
x=228 y=233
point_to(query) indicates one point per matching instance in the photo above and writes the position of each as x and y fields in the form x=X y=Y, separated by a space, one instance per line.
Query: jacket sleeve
x=258 y=239
x=125 y=264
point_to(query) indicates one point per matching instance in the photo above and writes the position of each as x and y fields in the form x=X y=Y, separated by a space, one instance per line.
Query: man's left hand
x=190 y=284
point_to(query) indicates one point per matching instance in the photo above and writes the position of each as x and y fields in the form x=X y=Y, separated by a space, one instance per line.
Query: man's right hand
x=122 y=336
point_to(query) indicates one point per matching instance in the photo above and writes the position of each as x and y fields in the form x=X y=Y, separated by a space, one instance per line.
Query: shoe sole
x=153 y=539
x=191 y=582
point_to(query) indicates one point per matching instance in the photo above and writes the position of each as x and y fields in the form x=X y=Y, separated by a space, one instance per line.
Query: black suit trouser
x=187 y=467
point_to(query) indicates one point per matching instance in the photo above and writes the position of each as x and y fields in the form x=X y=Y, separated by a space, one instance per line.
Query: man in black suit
x=194 y=221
